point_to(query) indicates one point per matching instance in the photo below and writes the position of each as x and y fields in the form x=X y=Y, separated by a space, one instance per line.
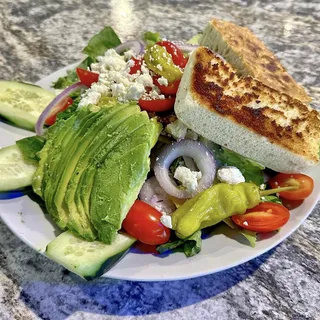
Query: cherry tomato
x=145 y=248
x=143 y=223
x=304 y=182
x=177 y=56
x=63 y=105
x=170 y=89
x=158 y=105
x=265 y=217
x=291 y=204
x=87 y=77
x=137 y=65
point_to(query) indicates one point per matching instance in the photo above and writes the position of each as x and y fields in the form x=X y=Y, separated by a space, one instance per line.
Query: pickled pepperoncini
x=214 y=205
x=160 y=62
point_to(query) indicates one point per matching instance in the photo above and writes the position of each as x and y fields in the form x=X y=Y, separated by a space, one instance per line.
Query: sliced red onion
x=135 y=45
x=189 y=148
x=186 y=47
x=47 y=111
x=154 y=195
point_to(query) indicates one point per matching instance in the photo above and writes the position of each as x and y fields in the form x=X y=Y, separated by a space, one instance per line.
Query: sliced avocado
x=79 y=219
x=120 y=137
x=81 y=138
x=44 y=154
x=126 y=167
x=58 y=161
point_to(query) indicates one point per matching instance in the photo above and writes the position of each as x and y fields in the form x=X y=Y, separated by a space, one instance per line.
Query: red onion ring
x=201 y=155
x=46 y=112
x=186 y=47
x=135 y=45
x=156 y=197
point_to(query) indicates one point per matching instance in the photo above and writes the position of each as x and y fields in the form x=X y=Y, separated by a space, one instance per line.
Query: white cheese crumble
x=189 y=179
x=262 y=186
x=231 y=175
x=245 y=223
x=163 y=81
x=177 y=129
x=116 y=81
x=166 y=221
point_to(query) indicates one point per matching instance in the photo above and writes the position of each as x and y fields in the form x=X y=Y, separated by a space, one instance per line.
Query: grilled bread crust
x=247 y=116
x=249 y=56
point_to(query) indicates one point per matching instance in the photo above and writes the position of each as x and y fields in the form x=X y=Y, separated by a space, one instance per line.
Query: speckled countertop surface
x=39 y=37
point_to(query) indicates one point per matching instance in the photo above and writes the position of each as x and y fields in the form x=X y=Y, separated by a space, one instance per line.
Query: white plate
x=25 y=218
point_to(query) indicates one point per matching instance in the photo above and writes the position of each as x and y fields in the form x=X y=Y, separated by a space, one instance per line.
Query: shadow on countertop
x=54 y=293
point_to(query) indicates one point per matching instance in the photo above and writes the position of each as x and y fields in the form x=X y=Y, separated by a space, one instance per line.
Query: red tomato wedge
x=177 y=56
x=291 y=204
x=265 y=217
x=170 y=89
x=143 y=223
x=63 y=105
x=87 y=77
x=137 y=65
x=158 y=105
x=304 y=182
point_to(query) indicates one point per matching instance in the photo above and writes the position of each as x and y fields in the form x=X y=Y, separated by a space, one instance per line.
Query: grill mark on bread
x=250 y=103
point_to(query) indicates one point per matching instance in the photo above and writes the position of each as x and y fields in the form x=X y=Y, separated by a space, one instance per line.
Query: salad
x=114 y=166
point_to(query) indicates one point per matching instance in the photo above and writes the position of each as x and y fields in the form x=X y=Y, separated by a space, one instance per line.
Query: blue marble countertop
x=39 y=37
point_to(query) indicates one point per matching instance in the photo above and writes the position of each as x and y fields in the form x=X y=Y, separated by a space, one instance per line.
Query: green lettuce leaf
x=251 y=236
x=97 y=46
x=101 y=42
x=71 y=77
x=191 y=246
x=30 y=147
x=251 y=170
x=150 y=38
x=195 y=39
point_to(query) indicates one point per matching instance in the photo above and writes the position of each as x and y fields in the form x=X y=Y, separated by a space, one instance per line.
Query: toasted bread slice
x=246 y=116
x=249 y=56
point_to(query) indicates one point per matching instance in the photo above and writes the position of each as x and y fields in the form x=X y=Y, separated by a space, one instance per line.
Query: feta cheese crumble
x=163 y=81
x=177 y=129
x=166 y=221
x=189 y=179
x=231 y=175
x=116 y=81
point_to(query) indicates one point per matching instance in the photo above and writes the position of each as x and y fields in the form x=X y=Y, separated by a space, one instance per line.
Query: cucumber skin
x=21 y=118
x=93 y=265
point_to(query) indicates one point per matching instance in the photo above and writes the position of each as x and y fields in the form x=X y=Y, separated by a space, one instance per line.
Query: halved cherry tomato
x=304 y=182
x=265 y=217
x=145 y=248
x=63 y=105
x=87 y=77
x=170 y=89
x=143 y=223
x=291 y=204
x=177 y=56
x=137 y=65
x=158 y=105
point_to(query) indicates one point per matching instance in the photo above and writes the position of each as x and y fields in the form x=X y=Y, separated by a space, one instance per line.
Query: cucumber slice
x=15 y=173
x=22 y=103
x=87 y=259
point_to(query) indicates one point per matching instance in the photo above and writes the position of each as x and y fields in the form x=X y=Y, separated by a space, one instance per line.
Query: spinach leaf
x=191 y=246
x=101 y=42
x=30 y=147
